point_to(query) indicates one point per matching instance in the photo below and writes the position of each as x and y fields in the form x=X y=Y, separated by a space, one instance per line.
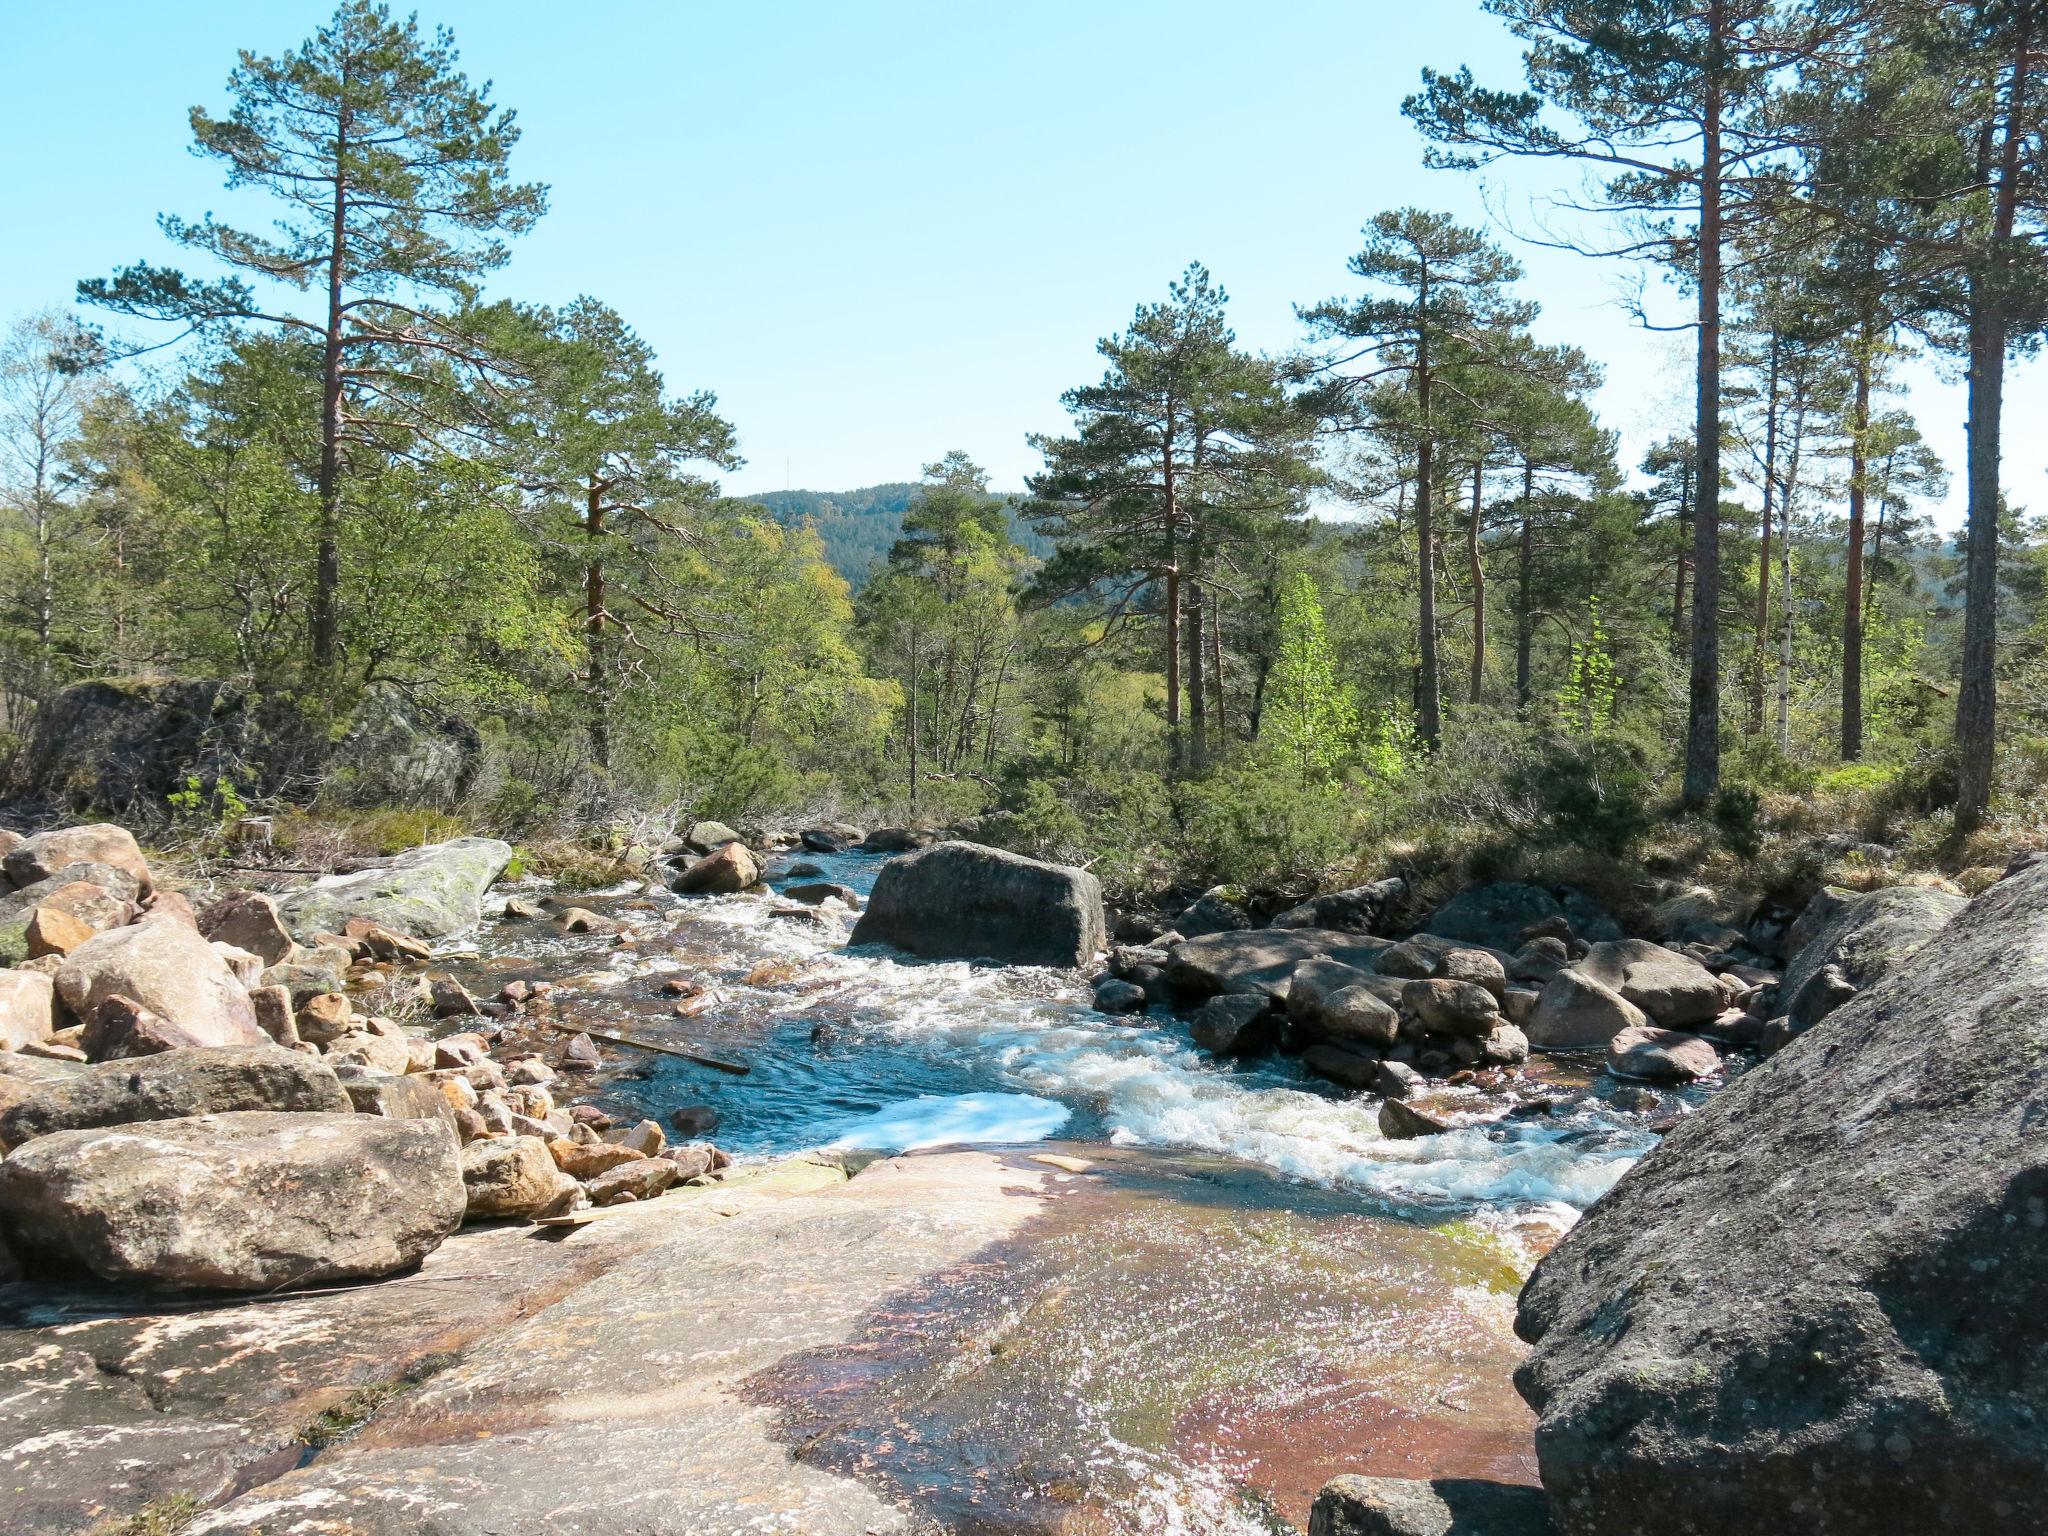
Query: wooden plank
x=736 y=1068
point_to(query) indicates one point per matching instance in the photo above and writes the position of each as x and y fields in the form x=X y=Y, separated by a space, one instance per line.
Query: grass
x=159 y=1517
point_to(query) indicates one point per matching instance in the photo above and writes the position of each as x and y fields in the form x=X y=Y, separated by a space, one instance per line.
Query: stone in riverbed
x=173 y=1085
x=1362 y=909
x=53 y=931
x=1214 y=911
x=46 y=853
x=961 y=901
x=396 y=1096
x=587 y=1159
x=1576 y=1013
x=1386 y=1506
x=1675 y=990
x=1821 y=1304
x=1264 y=960
x=121 y=1028
x=513 y=1176
x=1236 y=1024
x=249 y=920
x=1661 y=1055
x=1350 y=1069
x=710 y=836
x=818 y=892
x=1402 y=1121
x=28 y=1008
x=1452 y=1007
x=244 y=1201
x=693 y=1120
x=641 y=1180
x=731 y=869
x=1114 y=996
x=433 y=892
x=171 y=971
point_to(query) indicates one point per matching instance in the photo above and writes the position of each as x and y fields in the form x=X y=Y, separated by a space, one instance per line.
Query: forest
x=1393 y=597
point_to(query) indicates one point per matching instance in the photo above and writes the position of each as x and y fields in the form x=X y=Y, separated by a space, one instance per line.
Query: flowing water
x=868 y=1048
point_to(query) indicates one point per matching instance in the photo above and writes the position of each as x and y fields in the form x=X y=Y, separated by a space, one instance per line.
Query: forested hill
x=859 y=526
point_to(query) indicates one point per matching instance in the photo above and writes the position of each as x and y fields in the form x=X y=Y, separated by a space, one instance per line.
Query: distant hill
x=857 y=527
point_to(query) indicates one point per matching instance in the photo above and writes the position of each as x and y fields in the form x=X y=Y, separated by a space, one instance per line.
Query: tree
x=45 y=396
x=1398 y=361
x=394 y=174
x=1666 y=98
x=604 y=456
x=1311 y=723
x=1179 y=413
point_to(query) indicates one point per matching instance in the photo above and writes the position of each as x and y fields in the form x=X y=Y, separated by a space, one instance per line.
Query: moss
x=363 y=1404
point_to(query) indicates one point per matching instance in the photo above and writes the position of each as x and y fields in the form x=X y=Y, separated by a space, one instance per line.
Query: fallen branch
x=736 y=1068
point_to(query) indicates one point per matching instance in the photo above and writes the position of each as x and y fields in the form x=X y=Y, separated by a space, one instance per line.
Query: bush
x=1738 y=818
x=1265 y=830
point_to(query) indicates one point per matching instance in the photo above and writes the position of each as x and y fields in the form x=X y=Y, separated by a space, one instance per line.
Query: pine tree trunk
x=1173 y=739
x=1703 y=722
x=1852 y=594
x=1428 y=688
x=1216 y=674
x=594 y=630
x=1478 y=571
x=1198 y=692
x=1678 y=613
x=327 y=559
x=1763 y=571
x=1525 y=620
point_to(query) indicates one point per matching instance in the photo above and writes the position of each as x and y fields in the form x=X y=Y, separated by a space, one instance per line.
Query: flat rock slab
x=947 y=1343
x=1263 y=959
x=430 y=893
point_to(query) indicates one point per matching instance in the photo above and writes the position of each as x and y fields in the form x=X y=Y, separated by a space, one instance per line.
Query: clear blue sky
x=880 y=230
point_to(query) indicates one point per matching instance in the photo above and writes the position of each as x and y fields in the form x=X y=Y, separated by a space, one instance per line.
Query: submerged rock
x=961 y=901
x=1821 y=1304
x=240 y=1202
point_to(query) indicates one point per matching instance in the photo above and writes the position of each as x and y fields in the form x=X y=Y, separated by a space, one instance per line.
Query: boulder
x=396 y=1096
x=961 y=901
x=1386 y=1506
x=1235 y=1024
x=1822 y=993
x=641 y=1180
x=1336 y=1003
x=172 y=1085
x=1865 y=936
x=897 y=840
x=1674 y=990
x=513 y=1176
x=1362 y=909
x=1398 y=1080
x=28 y=1008
x=1401 y=1121
x=1494 y=915
x=722 y=873
x=42 y=856
x=400 y=750
x=1265 y=959
x=249 y=920
x=1576 y=1013
x=53 y=931
x=1539 y=959
x=1820 y=1304
x=371 y=1048
x=830 y=837
x=710 y=836
x=1407 y=962
x=1452 y=1007
x=817 y=892
x=1113 y=995
x=121 y=1028
x=1214 y=911
x=98 y=895
x=1476 y=966
x=245 y=1201
x=433 y=892
x=1506 y=1046
x=1661 y=1055
x=1350 y=1069
x=170 y=970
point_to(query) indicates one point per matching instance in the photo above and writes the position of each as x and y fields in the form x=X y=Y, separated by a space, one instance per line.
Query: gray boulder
x=242 y=1202
x=1264 y=959
x=434 y=892
x=41 y=856
x=172 y=1085
x=1388 y=1506
x=1576 y=1013
x=249 y=920
x=1336 y=1003
x=710 y=836
x=1821 y=1304
x=1214 y=911
x=1235 y=1024
x=1114 y=995
x=1362 y=909
x=961 y=901
x=1452 y=1007
x=400 y=751
x=1865 y=936
x=1673 y=989
x=168 y=968
x=1661 y=1055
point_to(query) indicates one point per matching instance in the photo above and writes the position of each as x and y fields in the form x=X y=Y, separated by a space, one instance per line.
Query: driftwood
x=736 y=1068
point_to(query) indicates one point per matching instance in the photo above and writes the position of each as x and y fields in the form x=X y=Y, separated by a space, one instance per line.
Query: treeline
x=1253 y=614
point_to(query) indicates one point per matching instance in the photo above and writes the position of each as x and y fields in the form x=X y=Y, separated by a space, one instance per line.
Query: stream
x=871 y=1049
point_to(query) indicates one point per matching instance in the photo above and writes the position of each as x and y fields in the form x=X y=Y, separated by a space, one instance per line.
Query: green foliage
x=1249 y=826
x=1311 y=726
x=1591 y=683
x=1738 y=819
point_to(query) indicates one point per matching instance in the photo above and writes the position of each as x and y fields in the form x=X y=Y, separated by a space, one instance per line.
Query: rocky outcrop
x=1866 y=936
x=961 y=901
x=171 y=971
x=172 y=1085
x=1818 y=1305
x=240 y=1202
x=434 y=892
x=1498 y=915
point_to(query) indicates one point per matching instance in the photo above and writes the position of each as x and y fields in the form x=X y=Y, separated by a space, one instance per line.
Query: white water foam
x=961 y=1119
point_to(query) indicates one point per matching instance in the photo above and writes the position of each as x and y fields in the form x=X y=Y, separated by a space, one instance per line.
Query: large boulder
x=1361 y=909
x=961 y=901
x=1661 y=1055
x=1673 y=989
x=46 y=853
x=98 y=895
x=1821 y=1304
x=28 y=1008
x=243 y=1202
x=723 y=872
x=249 y=920
x=514 y=1176
x=1497 y=915
x=172 y=1085
x=1865 y=936
x=171 y=971
x=434 y=892
x=399 y=750
x=1264 y=960
x=1576 y=1013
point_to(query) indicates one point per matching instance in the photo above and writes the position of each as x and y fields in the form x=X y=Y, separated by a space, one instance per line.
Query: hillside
x=858 y=526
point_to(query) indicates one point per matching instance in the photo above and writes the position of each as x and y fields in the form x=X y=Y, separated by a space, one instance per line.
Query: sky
x=882 y=230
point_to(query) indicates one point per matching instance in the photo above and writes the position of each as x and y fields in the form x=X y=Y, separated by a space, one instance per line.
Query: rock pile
x=192 y=1098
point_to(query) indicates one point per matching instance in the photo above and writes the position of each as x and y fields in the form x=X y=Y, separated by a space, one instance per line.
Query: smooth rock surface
x=961 y=901
x=1264 y=959
x=1675 y=990
x=1865 y=936
x=1576 y=1013
x=432 y=892
x=170 y=970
